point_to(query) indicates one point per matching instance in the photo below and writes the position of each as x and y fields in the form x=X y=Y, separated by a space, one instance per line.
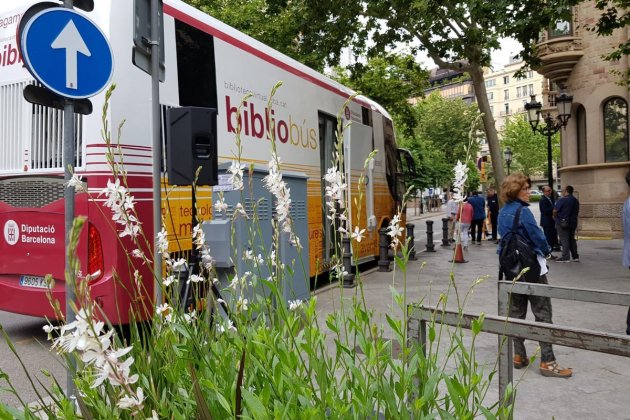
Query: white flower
x=220 y=205
x=76 y=183
x=195 y=278
x=228 y=326
x=241 y=304
x=160 y=309
x=134 y=401
x=136 y=253
x=162 y=243
x=169 y=280
x=295 y=304
x=199 y=237
x=178 y=265
x=395 y=231
x=358 y=234
x=189 y=318
x=236 y=169
x=248 y=255
x=461 y=175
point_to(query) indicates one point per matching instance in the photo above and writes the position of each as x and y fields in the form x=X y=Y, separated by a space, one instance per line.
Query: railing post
x=430 y=247
x=506 y=372
x=412 y=241
x=383 y=255
x=348 y=278
x=445 y=241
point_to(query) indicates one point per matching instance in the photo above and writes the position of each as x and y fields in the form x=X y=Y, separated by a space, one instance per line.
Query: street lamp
x=552 y=125
x=507 y=154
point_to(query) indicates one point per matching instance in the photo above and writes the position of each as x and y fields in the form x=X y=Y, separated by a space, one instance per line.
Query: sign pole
x=157 y=146
x=68 y=195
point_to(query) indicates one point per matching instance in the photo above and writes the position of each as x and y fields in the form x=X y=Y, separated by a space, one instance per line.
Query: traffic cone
x=459 y=254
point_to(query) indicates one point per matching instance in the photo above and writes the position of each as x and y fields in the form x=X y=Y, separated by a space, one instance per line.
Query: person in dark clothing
x=492 y=201
x=566 y=213
x=546 y=218
x=479 y=214
x=515 y=195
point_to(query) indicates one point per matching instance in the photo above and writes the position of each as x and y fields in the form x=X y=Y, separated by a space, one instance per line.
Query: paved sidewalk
x=600 y=385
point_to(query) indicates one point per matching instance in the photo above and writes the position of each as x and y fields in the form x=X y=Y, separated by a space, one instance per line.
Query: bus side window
x=195 y=58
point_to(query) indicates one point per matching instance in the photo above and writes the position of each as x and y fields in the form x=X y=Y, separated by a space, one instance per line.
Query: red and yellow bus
x=207 y=64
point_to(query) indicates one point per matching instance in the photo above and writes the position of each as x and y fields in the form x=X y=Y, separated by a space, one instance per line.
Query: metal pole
x=68 y=197
x=157 y=145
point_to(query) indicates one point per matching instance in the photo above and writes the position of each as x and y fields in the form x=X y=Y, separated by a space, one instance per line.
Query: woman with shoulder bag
x=515 y=194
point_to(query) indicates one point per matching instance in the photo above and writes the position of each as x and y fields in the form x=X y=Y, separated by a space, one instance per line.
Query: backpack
x=517 y=252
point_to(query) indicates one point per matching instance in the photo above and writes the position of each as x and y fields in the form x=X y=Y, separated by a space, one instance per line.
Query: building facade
x=594 y=145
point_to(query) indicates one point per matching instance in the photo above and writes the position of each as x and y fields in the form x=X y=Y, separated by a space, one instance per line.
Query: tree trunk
x=476 y=74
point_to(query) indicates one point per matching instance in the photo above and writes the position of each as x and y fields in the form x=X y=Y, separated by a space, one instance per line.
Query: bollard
x=412 y=240
x=383 y=255
x=348 y=279
x=430 y=245
x=445 y=241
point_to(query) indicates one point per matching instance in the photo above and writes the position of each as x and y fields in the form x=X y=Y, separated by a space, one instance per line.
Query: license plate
x=33 y=281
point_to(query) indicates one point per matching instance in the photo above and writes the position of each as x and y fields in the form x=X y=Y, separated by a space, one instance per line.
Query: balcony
x=559 y=50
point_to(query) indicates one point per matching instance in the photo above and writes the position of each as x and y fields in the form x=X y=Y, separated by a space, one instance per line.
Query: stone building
x=594 y=145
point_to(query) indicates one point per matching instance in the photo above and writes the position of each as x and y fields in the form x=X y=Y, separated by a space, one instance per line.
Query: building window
x=530 y=74
x=490 y=96
x=562 y=26
x=580 y=117
x=507 y=109
x=506 y=80
x=518 y=92
x=616 y=130
x=531 y=90
x=506 y=94
x=491 y=82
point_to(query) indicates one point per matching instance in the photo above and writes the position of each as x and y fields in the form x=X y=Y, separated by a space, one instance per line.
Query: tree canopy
x=529 y=149
x=442 y=137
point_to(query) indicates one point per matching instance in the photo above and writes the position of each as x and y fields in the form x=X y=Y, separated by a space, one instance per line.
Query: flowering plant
x=261 y=358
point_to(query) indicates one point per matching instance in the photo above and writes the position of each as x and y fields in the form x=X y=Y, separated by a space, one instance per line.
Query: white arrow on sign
x=70 y=39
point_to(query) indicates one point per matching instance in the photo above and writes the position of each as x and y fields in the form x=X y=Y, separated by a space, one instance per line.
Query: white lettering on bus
x=28 y=229
x=37 y=240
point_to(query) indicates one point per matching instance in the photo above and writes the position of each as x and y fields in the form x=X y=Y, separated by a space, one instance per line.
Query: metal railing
x=507 y=328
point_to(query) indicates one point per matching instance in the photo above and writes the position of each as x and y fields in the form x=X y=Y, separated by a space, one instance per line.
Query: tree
x=278 y=27
x=529 y=149
x=390 y=80
x=457 y=35
x=442 y=137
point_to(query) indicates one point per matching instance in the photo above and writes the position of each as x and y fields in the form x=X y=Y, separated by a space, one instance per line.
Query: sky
x=509 y=48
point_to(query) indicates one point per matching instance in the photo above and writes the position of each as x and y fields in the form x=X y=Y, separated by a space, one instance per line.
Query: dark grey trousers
x=541 y=307
x=568 y=242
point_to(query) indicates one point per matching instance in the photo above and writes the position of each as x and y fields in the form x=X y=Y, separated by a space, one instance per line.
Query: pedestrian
x=546 y=218
x=479 y=214
x=515 y=195
x=493 y=208
x=450 y=213
x=464 y=218
x=626 y=241
x=566 y=213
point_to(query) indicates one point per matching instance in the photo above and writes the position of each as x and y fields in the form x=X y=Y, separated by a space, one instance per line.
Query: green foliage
x=390 y=80
x=529 y=148
x=275 y=360
x=441 y=138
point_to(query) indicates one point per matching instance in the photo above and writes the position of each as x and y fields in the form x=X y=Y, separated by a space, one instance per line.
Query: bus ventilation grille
x=33 y=192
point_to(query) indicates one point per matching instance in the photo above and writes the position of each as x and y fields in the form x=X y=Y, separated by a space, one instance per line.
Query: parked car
x=535 y=192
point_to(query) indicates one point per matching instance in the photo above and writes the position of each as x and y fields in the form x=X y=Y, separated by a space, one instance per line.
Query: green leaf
x=254 y=405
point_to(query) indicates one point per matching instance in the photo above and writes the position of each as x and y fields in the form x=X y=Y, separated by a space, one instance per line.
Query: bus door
x=327 y=140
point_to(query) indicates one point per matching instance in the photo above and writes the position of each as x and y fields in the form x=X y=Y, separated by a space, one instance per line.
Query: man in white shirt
x=450 y=214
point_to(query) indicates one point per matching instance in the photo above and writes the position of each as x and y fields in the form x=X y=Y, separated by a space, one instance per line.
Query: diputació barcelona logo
x=11 y=232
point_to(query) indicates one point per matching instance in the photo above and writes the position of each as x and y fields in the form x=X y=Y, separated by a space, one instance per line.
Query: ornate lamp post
x=552 y=125
x=507 y=155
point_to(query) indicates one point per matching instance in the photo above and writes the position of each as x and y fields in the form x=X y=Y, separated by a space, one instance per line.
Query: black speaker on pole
x=191 y=143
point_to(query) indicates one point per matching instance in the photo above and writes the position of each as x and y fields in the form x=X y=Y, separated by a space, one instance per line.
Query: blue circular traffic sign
x=67 y=53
